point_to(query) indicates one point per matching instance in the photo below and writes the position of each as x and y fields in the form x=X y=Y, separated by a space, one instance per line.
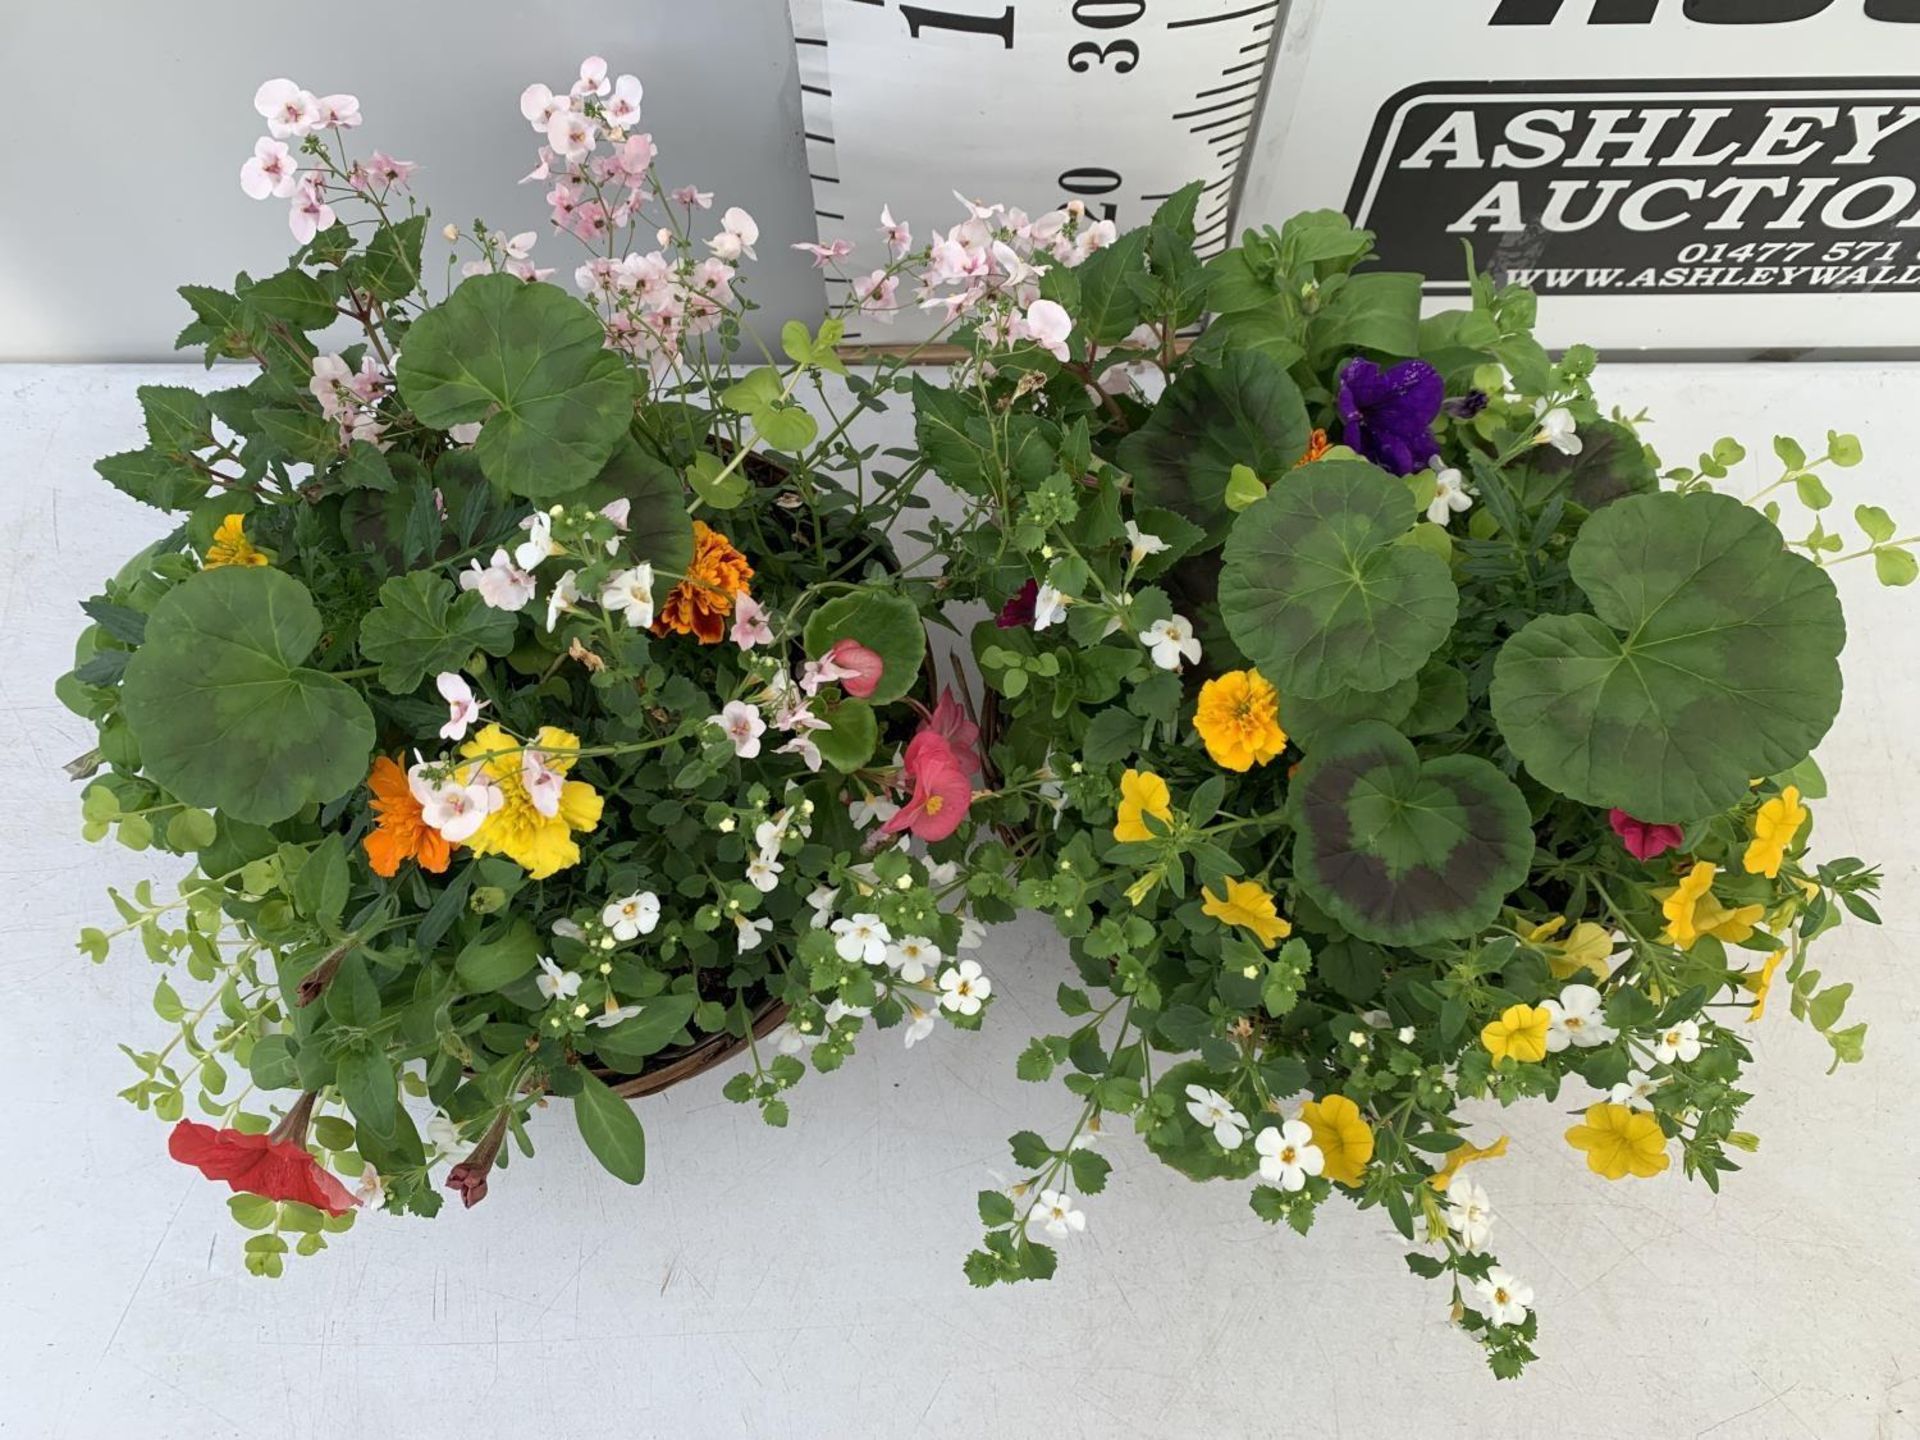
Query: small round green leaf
x=1401 y=851
x=887 y=624
x=1318 y=593
x=531 y=362
x=1244 y=411
x=1712 y=656
x=226 y=715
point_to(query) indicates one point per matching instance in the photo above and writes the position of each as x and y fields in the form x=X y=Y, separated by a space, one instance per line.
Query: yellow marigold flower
x=1251 y=908
x=1760 y=982
x=1238 y=716
x=1620 y=1142
x=230 y=546
x=700 y=603
x=1520 y=1034
x=1344 y=1138
x=539 y=844
x=1317 y=445
x=1142 y=793
x=1462 y=1155
x=1774 y=825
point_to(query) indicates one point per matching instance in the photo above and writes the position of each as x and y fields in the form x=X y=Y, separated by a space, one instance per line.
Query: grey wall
x=123 y=124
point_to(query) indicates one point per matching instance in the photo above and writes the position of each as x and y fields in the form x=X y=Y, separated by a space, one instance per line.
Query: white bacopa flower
x=631 y=917
x=1576 y=1019
x=1142 y=543
x=1678 y=1043
x=1450 y=495
x=972 y=933
x=821 y=898
x=750 y=931
x=462 y=708
x=920 y=1024
x=1287 y=1154
x=789 y=1039
x=1636 y=1091
x=565 y=596
x=1056 y=1216
x=1216 y=1112
x=963 y=988
x=553 y=982
x=630 y=593
x=1469 y=1213
x=1170 y=641
x=1556 y=428
x=444 y=1136
x=743 y=726
x=613 y=1014
x=875 y=809
x=913 y=958
x=863 y=938
x=763 y=873
x=1506 y=1295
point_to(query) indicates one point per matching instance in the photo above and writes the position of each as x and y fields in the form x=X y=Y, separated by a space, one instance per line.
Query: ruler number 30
x=1118 y=55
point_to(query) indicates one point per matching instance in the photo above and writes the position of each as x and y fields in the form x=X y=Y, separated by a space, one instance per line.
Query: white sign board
x=1737 y=176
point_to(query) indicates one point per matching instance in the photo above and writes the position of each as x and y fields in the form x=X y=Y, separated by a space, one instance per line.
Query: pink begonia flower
x=941 y=797
x=310 y=213
x=1644 y=841
x=951 y=723
x=896 y=233
x=337 y=112
x=272 y=170
x=688 y=196
x=290 y=112
x=861 y=668
x=750 y=626
x=1047 y=324
x=825 y=255
x=462 y=708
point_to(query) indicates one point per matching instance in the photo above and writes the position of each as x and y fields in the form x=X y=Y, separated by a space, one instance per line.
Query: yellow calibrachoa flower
x=1692 y=910
x=1620 y=1142
x=1760 y=982
x=1588 y=947
x=1774 y=825
x=1251 y=908
x=1520 y=1034
x=1344 y=1138
x=230 y=546
x=539 y=844
x=1142 y=793
x=1238 y=716
x=1462 y=1155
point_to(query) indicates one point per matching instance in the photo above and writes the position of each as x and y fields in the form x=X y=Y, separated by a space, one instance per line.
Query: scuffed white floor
x=807 y=1282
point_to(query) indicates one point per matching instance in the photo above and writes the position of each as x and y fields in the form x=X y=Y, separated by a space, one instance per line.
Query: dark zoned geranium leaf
x=1712 y=656
x=227 y=715
x=1403 y=851
x=1319 y=593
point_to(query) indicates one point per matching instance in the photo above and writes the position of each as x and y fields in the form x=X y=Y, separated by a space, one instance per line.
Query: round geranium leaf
x=1712 y=656
x=1318 y=590
x=227 y=715
x=1244 y=411
x=1612 y=464
x=1309 y=722
x=531 y=362
x=659 y=531
x=1402 y=851
x=886 y=624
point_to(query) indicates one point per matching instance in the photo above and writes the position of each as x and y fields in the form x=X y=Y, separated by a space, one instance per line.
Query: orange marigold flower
x=401 y=834
x=699 y=604
x=1317 y=445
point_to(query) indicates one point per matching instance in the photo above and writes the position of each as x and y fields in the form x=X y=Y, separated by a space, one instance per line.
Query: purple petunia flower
x=1018 y=611
x=1388 y=415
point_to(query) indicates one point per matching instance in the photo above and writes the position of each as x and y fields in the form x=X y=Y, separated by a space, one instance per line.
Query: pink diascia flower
x=310 y=213
x=1644 y=841
x=272 y=170
x=290 y=112
x=750 y=627
x=878 y=295
x=1047 y=324
x=825 y=255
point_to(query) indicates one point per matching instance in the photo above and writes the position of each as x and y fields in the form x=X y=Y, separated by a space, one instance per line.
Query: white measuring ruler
x=1117 y=103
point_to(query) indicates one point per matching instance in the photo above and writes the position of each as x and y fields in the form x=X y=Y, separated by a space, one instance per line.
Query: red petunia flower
x=1644 y=841
x=259 y=1165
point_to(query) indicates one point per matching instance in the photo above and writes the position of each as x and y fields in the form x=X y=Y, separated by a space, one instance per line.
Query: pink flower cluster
x=272 y=171
x=351 y=399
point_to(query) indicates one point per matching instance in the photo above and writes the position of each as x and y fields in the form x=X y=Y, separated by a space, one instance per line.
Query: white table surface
x=807 y=1282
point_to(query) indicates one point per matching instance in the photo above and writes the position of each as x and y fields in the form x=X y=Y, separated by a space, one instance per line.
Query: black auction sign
x=1736 y=175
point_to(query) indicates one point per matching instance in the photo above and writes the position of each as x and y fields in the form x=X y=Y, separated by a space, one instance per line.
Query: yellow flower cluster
x=1142 y=793
x=230 y=546
x=539 y=844
x=1692 y=910
x=1251 y=908
x=1519 y=1035
x=1619 y=1141
x=1344 y=1138
x=1774 y=826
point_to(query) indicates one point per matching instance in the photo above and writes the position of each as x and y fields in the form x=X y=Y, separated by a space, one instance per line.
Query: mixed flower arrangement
x=543 y=701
